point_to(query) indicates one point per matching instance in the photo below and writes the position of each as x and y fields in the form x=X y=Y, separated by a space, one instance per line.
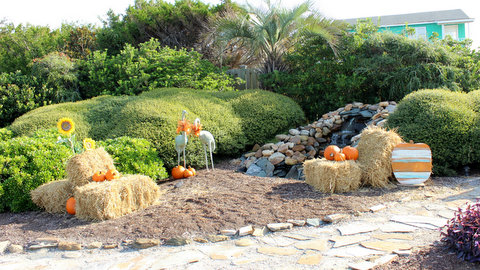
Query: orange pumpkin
x=330 y=152
x=177 y=172
x=187 y=173
x=71 y=206
x=339 y=157
x=351 y=153
x=192 y=170
x=112 y=174
x=98 y=176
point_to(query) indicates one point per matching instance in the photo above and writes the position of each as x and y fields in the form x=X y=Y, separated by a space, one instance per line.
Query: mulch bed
x=217 y=200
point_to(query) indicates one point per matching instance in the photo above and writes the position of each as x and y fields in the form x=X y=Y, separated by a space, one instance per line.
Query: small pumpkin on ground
x=339 y=157
x=112 y=174
x=99 y=176
x=177 y=172
x=71 y=206
x=330 y=152
x=192 y=170
x=187 y=173
x=351 y=153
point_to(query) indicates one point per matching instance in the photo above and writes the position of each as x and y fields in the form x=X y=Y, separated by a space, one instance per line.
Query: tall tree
x=268 y=34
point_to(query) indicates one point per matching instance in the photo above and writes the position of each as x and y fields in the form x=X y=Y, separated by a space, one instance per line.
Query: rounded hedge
x=236 y=119
x=447 y=121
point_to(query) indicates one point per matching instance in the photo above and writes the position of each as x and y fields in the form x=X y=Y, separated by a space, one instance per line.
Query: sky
x=55 y=12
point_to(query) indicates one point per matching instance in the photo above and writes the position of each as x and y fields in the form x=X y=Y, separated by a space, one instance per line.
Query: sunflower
x=88 y=144
x=66 y=126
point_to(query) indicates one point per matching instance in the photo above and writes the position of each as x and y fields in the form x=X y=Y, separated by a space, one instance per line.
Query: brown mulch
x=222 y=199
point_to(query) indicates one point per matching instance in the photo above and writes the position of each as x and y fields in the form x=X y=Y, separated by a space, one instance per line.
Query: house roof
x=441 y=17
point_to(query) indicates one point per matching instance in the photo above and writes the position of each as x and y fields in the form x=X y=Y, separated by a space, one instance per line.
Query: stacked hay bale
x=372 y=169
x=333 y=177
x=96 y=200
x=375 y=155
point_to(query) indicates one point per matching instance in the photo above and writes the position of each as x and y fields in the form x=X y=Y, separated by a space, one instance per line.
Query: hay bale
x=81 y=167
x=113 y=199
x=375 y=155
x=53 y=196
x=331 y=176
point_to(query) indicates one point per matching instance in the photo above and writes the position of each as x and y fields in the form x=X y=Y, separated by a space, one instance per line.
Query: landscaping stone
x=334 y=218
x=244 y=242
x=315 y=222
x=276 y=158
x=94 y=245
x=217 y=238
x=377 y=208
x=350 y=229
x=353 y=251
x=294 y=132
x=15 y=248
x=388 y=246
x=362 y=265
x=200 y=240
x=3 y=246
x=253 y=170
x=312 y=259
x=297 y=222
x=277 y=251
x=260 y=231
x=247 y=230
x=297 y=237
x=69 y=246
x=228 y=232
x=396 y=227
x=110 y=246
x=279 y=226
x=317 y=244
x=42 y=246
x=341 y=241
x=399 y=236
x=142 y=243
x=420 y=221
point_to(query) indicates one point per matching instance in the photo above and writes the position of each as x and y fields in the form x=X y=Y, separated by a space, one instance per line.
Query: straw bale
x=375 y=155
x=332 y=176
x=113 y=199
x=53 y=196
x=81 y=167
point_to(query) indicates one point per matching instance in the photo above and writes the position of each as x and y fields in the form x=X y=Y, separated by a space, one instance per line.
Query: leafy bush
x=236 y=119
x=150 y=66
x=26 y=163
x=445 y=121
x=463 y=233
x=372 y=67
x=135 y=156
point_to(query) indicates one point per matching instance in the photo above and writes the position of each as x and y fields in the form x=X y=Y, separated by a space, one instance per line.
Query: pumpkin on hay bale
x=53 y=196
x=82 y=167
x=330 y=176
x=375 y=155
x=113 y=199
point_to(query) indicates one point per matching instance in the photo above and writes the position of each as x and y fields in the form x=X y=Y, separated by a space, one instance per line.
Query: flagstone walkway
x=359 y=242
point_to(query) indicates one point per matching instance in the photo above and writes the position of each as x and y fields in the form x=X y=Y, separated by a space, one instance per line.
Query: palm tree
x=268 y=34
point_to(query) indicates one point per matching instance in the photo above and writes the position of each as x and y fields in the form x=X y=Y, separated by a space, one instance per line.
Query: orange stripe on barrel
x=408 y=146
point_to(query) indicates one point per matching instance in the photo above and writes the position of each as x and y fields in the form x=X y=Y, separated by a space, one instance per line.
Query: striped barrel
x=412 y=163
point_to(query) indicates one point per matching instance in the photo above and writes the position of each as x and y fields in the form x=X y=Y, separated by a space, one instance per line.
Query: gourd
x=177 y=172
x=351 y=153
x=192 y=170
x=187 y=173
x=98 y=176
x=330 y=152
x=71 y=206
x=339 y=157
x=112 y=174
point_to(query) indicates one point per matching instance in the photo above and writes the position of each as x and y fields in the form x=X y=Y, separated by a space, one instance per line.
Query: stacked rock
x=341 y=127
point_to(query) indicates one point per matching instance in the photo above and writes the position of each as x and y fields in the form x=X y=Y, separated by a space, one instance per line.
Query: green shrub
x=26 y=163
x=151 y=66
x=445 y=121
x=135 y=156
x=236 y=119
x=5 y=134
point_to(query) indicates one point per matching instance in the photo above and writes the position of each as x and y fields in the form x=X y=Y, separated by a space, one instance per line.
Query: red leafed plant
x=462 y=233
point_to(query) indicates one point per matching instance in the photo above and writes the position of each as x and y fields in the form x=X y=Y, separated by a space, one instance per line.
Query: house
x=452 y=23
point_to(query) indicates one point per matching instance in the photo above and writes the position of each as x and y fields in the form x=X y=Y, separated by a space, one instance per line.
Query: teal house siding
x=446 y=22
